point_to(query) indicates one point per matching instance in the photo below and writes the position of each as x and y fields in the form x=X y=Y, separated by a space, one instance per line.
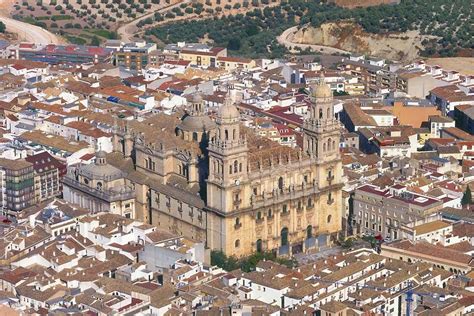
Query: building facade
x=48 y=174
x=220 y=183
x=99 y=187
x=391 y=212
x=19 y=190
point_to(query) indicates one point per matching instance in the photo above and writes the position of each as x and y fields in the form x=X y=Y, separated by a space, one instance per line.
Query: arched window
x=329 y=144
x=310 y=202
x=226 y=134
x=99 y=186
x=259 y=215
x=195 y=136
x=324 y=147
x=329 y=218
x=333 y=145
x=259 y=245
x=328 y=113
x=309 y=232
x=236 y=166
x=234 y=134
x=280 y=183
x=230 y=169
x=320 y=113
x=237 y=243
x=240 y=167
x=237 y=221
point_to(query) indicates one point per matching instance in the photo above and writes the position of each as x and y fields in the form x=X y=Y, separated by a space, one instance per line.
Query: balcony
x=293 y=192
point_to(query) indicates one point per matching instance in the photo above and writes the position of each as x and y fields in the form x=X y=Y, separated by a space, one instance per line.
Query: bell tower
x=321 y=129
x=227 y=160
x=321 y=137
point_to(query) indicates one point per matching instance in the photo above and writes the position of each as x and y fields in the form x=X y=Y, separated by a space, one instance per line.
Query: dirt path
x=26 y=32
x=286 y=39
x=127 y=31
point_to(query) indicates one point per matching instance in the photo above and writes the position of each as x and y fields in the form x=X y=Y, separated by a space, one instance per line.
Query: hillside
x=437 y=28
x=351 y=37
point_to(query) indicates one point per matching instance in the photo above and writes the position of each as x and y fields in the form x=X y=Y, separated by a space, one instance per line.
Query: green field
x=76 y=40
x=103 y=33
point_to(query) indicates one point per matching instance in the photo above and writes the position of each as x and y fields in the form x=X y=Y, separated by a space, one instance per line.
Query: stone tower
x=321 y=137
x=227 y=159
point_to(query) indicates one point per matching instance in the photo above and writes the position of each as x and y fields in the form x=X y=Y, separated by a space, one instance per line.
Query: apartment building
x=19 y=185
x=390 y=212
x=48 y=174
x=207 y=58
x=134 y=56
x=438 y=122
x=464 y=116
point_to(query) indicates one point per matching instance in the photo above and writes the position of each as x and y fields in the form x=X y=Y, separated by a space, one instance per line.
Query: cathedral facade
x=217 y=182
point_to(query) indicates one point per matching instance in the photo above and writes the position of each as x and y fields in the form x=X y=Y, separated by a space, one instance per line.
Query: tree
x=233 y=44
x=95 y=41
x=2 y=27
x=467 y=197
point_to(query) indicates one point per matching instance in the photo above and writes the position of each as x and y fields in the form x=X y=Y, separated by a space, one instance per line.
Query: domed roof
x=322 y=89
x=100 y=154
x=104 y=172
x=228 y=110
x=197 y=123
x=196 y=98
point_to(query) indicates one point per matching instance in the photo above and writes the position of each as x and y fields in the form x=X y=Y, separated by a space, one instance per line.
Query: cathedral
x=215 y=181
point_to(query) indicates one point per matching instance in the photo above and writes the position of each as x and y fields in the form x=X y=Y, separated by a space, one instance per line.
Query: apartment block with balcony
x=48 y=173
x=18 y=187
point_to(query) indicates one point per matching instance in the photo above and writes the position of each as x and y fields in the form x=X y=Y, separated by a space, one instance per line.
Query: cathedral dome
x=322 y=90
x=196 y=98
x=228 y=111
x=197 y=123
x=100 y=154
